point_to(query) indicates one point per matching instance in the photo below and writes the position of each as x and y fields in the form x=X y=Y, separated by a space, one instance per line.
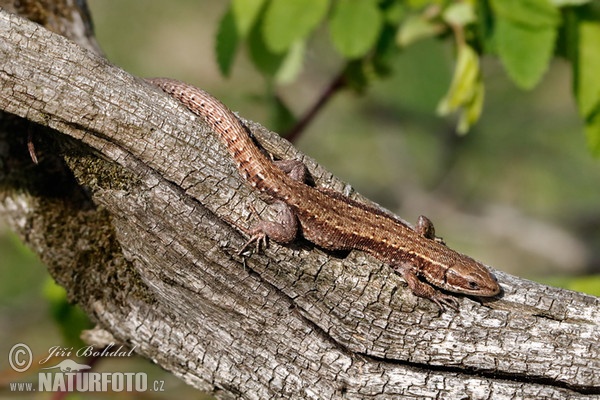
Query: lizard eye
x=473 y=285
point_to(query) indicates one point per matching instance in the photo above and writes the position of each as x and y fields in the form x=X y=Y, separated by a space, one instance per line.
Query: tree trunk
x=134 y=208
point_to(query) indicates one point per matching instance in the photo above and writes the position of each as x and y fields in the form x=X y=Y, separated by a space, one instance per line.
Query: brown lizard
x=333 y=221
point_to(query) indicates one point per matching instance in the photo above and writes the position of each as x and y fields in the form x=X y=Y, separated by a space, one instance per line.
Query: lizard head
x=468 y=276
x=459 y=273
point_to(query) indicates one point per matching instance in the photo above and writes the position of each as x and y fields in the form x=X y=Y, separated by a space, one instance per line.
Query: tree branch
x=135 y=232
x=337 y=84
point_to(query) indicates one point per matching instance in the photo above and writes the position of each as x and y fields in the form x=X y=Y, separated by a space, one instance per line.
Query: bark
x=134 y=208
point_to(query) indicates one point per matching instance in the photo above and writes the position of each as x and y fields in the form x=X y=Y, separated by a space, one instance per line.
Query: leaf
x=226 y=43
x=393 y=12
x=484 y=24
x=292 y=64
x=460 y=14
x=562 y=3
x=416 y=27
x=70 y=319
x=419 y=4
x=525 y=52
x=385 y=51
x=589 y=284
x=355 y=26
x=531 y=13
x=287 y=21
x=587 y=70
x=466 y=91
x=463 y=86
x=245 y=13
x=525 y=37
x=357 y=75
x=263 y=59
x=586 y=284
x=592 y=133
x=587 y=79
x=472 y=109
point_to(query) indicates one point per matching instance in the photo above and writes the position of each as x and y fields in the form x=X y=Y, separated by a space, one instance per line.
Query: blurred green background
x=520 y=192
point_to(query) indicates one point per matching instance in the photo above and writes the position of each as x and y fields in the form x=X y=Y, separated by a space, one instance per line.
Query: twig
x=338 y=83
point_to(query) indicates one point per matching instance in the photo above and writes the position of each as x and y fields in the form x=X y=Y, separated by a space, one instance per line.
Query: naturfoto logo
x=71 y=376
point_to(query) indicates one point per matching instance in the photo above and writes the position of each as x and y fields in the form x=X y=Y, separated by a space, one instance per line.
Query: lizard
x=333 y=221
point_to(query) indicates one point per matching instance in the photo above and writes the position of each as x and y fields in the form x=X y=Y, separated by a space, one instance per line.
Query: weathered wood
x=141 y=236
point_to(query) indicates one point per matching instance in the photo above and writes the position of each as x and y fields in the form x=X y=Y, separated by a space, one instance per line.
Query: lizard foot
x=283 y=231
x=426 y=291
x=258 y=237
x=444 y=301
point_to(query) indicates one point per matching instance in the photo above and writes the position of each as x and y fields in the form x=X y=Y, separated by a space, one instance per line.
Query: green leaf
x=531 y=13
x=292 y=64
x=419 y=4
x=587 y=72
x=472 y=109
x=592 y=133
x=287 y=21
x=589 y=284
x=525 y=37
x=245 y=13
x=525 y=52
x=385 y=51
x=463 y=86
x=264 y=60
x=484 y=26
x=357 y=75
x=416 y=27
x=355 y=26
x=460 y=14
x=227 y=43
x=393 y=12
x=562 y=3
x=466 y=91
x=70 y=319
x=586 y=284
x=586 y=62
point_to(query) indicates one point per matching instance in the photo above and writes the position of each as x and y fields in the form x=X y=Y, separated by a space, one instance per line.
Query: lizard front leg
x=425 y=290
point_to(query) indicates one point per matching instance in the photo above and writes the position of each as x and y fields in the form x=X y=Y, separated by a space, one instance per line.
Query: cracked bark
x=131 y=209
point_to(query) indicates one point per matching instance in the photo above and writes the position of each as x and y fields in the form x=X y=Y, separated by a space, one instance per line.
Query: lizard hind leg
x=294 y=169
x=283 y=230
x=426 y=229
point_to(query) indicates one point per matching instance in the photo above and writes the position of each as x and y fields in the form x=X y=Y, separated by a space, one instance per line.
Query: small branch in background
x=338 y=83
